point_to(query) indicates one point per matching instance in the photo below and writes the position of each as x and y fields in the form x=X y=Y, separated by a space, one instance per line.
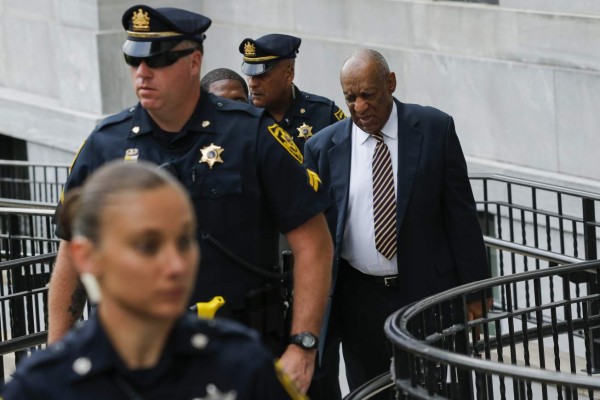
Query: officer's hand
x=299 y=364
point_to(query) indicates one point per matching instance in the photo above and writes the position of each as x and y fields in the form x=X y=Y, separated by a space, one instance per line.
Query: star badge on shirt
x=211 y=155
x=213 y=393
x=305 y=131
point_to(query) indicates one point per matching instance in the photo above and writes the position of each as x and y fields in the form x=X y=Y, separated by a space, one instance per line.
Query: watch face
x=308 y=341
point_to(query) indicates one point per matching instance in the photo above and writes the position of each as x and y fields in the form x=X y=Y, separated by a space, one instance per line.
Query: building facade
x=521 y=77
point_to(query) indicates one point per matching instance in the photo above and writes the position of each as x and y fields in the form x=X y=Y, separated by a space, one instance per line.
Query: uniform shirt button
x=82 y=365
x=199 y=341
x=213 y=192
x=220 y=104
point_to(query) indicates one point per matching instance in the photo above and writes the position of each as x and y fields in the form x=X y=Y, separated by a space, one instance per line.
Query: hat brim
x=257 y=69
x=136 y=48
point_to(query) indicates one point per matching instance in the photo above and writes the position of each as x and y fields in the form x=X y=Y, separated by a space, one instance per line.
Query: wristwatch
x=306 y=340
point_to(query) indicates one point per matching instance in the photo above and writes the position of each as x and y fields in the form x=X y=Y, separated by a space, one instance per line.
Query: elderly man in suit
x=404 y=222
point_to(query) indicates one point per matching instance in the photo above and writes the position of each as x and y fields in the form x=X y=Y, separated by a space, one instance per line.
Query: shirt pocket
x=218 y=200
x=215 y=185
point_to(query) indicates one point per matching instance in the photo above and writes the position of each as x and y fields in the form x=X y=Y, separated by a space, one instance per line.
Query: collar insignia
x=131 y=155
x=211 y=155
x=141 y=21
x=205 y=123
x=249 y=49
x=213 y=393
x=135 y=129
x=305 y=131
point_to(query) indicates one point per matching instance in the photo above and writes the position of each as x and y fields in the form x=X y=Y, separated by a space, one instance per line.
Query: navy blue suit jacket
x=440 y=244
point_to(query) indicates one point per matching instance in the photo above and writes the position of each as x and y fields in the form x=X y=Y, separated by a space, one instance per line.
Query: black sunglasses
x=159 y=60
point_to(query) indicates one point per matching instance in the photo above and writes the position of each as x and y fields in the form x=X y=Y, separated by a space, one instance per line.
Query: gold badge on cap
x=211 y=155
x=141 y=21
x=249 y=49
x=131 y=155
x=305 y=131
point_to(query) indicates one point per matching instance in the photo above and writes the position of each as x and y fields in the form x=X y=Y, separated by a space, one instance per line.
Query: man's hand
x=299 y=365
x=475 y=311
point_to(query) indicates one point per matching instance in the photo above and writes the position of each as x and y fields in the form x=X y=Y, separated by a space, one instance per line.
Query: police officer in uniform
x=134 y=222
x=243 y=173
x=269 y=64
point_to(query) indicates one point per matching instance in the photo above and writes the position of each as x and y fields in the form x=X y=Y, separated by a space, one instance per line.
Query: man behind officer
x=226 y=83
x=269 y=64
x=245 y=187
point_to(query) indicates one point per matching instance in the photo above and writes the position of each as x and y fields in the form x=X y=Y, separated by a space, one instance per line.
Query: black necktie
x=384 y=199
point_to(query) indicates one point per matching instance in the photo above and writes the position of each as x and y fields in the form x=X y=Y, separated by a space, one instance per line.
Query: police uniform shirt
x=308 y=114
x=244 y=176
x=202 y=359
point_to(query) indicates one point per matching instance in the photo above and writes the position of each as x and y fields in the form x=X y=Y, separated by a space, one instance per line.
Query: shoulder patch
x=286 y=141
x=313 y=179
x=116 y=118
x=339 y=114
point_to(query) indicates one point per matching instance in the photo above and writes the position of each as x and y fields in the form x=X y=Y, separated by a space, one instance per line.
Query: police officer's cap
x=152 y=31
x=262 y=54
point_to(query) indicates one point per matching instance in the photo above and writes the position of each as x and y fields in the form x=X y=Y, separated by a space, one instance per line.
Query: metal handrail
x=18 y=163
x=9 y=204
x=397 y=332
x=384 y=381
x=371 y=388
x=40 y=211
x=537 y=185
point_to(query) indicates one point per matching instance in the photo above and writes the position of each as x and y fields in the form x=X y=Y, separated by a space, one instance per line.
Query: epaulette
x=232 y=105
x=115 y=118
x=51 y=354
x=315 y=98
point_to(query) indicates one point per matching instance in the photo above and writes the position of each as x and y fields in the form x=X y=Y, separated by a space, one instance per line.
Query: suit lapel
x=339 y=167
x=409 y=152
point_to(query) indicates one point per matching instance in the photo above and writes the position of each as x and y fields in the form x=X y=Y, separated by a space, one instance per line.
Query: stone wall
x=522 y=78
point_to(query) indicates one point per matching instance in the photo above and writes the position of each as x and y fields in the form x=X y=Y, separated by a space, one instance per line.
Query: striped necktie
x=384 y=199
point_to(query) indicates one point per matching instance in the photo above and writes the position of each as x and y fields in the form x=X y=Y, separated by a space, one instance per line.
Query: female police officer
x=132 y=231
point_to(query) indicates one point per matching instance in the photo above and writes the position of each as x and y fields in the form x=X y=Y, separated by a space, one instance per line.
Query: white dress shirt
x=358 y=247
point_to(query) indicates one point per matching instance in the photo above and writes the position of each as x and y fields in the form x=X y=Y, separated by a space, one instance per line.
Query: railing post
x=17 y=284
x=465 y=390
x=589 y=242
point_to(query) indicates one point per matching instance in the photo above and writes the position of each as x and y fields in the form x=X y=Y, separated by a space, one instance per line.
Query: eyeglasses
x=159 y=60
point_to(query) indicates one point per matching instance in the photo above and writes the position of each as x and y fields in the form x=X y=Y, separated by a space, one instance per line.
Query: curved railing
x=528 y=226
x=514 y=352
